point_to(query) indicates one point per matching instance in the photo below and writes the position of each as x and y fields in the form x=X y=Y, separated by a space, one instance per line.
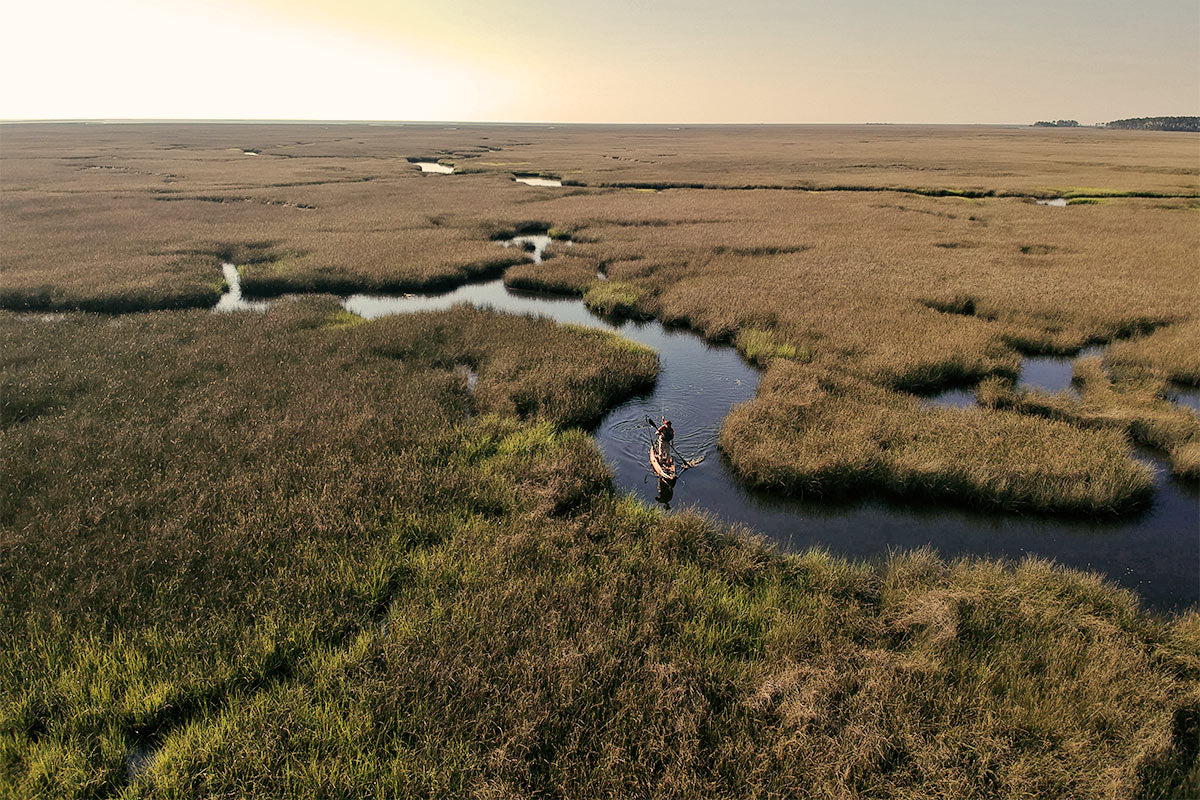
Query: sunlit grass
x=291 y=554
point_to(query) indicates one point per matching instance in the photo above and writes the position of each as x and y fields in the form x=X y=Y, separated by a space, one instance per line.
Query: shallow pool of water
x=232 y=300
x=953 y=398
x=434 y=167
x=534 y=244
x=1186 y=396
x=1052 y=373
x=1059 y=202
x=539 y=181
x=1156 y=553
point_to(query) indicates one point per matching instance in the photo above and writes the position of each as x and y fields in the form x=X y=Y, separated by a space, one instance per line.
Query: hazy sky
x=601 y=60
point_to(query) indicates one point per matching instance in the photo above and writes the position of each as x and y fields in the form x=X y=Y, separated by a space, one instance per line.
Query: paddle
x=686 y=464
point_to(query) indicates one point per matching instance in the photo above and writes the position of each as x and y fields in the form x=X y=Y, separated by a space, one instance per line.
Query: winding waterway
x=1156 y=553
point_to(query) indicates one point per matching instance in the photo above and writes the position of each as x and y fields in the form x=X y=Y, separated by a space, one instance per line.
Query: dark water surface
x=1188 y=396
x=1156 y=553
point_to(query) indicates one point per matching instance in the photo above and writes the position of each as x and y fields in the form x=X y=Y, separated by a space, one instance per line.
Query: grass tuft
x=614 y=299
x=760 y=346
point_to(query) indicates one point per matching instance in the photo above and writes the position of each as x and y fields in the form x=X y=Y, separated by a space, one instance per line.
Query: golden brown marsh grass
x=283 y=555
x=1014 y=160
x=1131 y=404
x=812 y=431
x=1169 y=354
x=294 y=555
x=906 y=292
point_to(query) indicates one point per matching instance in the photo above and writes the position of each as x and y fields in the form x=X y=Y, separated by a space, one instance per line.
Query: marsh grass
x=559 y=274
x=853 y=280
x=213 y=511
x=760 y=346
x=614 y=299
x=287 y=555
x=1131 y=405
x=275 y=555
x=1170 y=353
x=810 y=431
x=470 y=611
x=293 y=275
x=388 y=597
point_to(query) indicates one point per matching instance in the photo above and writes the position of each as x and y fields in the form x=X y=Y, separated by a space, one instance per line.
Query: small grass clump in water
x=342 y=319
x=562 y=274
x=760 y=346
x=614 y=299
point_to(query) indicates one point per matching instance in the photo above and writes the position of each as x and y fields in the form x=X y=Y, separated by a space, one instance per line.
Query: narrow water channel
x=536 y=181
x=434 y=167
x=1156 y=553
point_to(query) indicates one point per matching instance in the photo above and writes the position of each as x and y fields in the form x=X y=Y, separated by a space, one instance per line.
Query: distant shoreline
x=138 y=121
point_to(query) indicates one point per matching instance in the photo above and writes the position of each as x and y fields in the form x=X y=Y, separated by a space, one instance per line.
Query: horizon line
x=350 y=121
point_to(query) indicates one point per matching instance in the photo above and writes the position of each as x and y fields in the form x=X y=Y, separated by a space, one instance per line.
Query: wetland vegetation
x=300 y=553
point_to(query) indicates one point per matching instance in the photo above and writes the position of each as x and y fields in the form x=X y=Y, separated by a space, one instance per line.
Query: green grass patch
x=760 y=346
x=614 y=298
x=342 y=319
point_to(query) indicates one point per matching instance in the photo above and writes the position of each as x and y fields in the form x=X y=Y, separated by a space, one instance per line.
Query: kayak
x=666 y=471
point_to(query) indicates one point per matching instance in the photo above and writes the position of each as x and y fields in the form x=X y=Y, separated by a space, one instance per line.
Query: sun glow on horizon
x=622 y=61
x=136 y=59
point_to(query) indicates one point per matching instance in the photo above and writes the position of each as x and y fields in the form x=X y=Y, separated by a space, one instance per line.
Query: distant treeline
x=1191 y=124
x=1058 y=123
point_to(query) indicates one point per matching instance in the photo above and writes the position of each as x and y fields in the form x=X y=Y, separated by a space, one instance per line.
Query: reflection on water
x=952 y=398
x=232 y=300
x=1052 y=373
x=534 y=181
x=1057 y=201
x=1156 y=553
x=534 y=244
x=434 y=167
x=1187 y=396
x=666 y=492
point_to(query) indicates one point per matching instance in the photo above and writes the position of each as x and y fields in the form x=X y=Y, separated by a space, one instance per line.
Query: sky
x=803 y=61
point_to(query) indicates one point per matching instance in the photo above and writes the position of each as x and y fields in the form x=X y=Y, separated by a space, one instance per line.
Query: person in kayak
x=666 y=434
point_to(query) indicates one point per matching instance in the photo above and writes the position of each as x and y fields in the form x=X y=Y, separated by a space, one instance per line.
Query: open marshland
x=355 y=540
